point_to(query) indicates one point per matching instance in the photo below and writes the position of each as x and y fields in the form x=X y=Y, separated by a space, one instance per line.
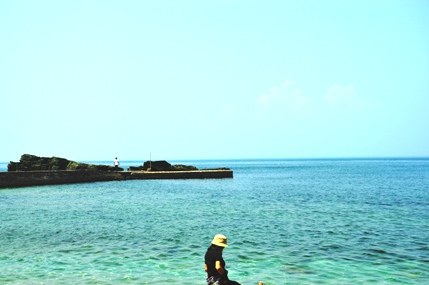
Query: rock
x=181 y=167
x=135 y=168
x=161 y=165
x=30 y=162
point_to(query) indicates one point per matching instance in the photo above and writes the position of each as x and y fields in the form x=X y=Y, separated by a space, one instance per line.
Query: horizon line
x=265 y=158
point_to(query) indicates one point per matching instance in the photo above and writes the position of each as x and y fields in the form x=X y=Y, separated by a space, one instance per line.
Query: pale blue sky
x=91 y=80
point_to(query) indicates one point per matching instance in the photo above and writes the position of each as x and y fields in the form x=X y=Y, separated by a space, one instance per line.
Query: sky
x=171 y=80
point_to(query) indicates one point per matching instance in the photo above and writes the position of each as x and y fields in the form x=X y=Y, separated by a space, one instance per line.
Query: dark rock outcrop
x=30 y=162
x=181 y=167
x=162 y=165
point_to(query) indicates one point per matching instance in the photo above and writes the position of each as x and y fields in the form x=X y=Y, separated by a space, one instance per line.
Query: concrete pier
x=52 y=177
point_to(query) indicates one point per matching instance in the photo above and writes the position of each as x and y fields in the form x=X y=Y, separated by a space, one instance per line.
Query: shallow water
x=287 y=222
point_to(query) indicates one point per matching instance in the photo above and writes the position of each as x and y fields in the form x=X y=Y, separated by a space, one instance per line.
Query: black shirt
x=214 y=254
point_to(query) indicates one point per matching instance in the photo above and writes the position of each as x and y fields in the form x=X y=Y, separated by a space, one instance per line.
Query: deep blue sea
x=322 y=221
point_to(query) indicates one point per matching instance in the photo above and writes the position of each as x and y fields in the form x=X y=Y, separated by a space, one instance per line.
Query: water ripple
x=294 y=222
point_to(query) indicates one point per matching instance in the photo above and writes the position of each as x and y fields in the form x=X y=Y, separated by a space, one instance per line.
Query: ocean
x=303 y=221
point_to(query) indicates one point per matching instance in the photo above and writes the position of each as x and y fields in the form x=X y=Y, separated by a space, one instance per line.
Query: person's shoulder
x=216 y=253
x=211 y=252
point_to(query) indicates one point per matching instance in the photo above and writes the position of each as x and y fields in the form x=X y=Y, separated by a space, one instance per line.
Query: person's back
x=214 y=264
x=213 y=255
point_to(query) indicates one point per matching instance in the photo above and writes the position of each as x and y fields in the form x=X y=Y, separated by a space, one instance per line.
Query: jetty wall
x=38 y=178
x=194 y=174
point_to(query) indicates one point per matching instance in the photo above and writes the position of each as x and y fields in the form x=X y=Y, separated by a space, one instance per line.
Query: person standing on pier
x=116 y=163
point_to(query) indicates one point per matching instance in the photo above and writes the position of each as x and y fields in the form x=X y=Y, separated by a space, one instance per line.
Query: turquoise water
x=287 y=222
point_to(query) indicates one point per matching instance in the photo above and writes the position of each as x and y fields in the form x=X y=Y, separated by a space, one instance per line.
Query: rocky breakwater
x=33 y=170
x=30 y=162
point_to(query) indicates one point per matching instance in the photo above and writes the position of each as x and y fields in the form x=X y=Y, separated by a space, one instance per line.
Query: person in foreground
x=214 y=264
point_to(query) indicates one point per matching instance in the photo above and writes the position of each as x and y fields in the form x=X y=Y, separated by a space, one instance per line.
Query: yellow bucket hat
x=220 y=240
